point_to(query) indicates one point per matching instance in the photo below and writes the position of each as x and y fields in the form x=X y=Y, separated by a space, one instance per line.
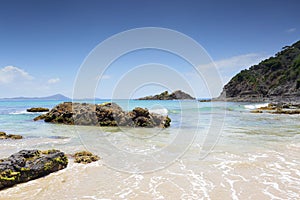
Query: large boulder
x=106 y=114
x=27 y=165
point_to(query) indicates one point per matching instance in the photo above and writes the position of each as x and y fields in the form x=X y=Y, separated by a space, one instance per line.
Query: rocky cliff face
x=274 y=79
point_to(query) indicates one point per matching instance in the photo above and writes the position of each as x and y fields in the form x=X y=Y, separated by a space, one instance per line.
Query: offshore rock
x=177 y=95
x=106 y=114
x=39 y=109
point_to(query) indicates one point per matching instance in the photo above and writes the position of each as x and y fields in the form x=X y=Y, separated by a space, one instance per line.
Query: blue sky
x=43 y=43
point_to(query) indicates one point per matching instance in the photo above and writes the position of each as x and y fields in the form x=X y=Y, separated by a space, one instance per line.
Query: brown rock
x=3 y=135
x=85 y=157
x=39 y=109
x=106 y=114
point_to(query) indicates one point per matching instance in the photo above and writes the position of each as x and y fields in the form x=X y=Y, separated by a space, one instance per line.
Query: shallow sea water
x=257 y=156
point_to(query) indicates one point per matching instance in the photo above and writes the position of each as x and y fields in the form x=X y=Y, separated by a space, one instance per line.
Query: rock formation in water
x=39 y=109
x=276 y=79
x=3 y=135
x=106 y=114
x=27 y=165
x=166 y=96
x=279 y=108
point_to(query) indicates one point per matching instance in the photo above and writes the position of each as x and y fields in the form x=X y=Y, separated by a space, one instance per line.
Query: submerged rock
x=3 y=135
x=27 y=165
x=39 y=109
x=85 y=157
x=106 y=114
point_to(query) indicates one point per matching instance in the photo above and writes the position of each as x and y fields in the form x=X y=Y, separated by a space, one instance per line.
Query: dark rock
x=166 y=96
x=39 y=109
x=3 y=135
x=205 y=100
x=106 y=114
x=27 y=165
x=85 y=157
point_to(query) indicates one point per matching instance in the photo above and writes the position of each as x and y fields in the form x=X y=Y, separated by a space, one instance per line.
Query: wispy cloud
x=53 y=80
x=228 y=67
x=10 y=74
x=291 y=30
x=240 y=62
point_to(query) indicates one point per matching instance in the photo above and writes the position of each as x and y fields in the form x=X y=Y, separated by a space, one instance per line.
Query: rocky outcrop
x=276 y=79
x=166 y=96
x=27 y=165
x=39 y=109
x=279 y=108
x=106 y=114
x=85 y=157
x=3 y=135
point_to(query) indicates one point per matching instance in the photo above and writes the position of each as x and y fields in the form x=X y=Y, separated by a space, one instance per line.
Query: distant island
x=274 y=79
x=52 y=97
x=166 y=96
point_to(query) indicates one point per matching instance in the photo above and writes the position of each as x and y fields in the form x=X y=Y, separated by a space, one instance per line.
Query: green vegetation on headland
x=274 y=79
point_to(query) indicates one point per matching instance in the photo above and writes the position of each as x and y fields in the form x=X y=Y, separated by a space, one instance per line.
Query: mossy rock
x=27 y=165
x=85 y=157
x=3 y=135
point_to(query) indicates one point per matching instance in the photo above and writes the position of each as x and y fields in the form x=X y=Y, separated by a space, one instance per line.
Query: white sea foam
x=24 y=112
x=255 y=106
x=161 y=111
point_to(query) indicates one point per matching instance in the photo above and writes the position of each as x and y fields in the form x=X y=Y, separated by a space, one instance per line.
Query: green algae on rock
x=106 y=114
x=27 y=165
x=85 y=157
x=3 y=135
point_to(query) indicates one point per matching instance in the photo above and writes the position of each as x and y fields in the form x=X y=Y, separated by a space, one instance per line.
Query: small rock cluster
x=85 y=157
x=279 y=108
x=3 y=135
x=106 y=114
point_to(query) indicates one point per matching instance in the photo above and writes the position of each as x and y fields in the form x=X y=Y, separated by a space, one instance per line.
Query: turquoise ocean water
x=254 y=156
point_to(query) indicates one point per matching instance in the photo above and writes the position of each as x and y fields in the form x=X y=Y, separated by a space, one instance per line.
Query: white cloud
x=236 y=62
x=10 y=74
x=53 y=80
x=291 y=30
